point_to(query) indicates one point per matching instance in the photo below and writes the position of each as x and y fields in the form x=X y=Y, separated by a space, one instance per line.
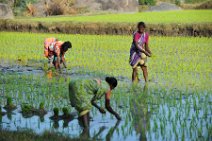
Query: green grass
x=184 y=16
x=176 y=60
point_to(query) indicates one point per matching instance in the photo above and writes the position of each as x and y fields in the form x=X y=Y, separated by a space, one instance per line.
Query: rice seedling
x=27 y=110
x=65 y=112
x=55 y=114
x=9 y=106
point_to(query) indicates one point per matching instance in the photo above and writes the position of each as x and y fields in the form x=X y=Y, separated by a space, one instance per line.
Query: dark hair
x=141 y=24
x=66 y=45
x=112 y=81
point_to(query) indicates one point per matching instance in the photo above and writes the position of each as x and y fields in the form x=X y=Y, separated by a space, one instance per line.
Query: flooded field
x=176 y=104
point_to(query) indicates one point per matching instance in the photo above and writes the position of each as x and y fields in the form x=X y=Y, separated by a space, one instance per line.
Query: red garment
x=47 y=43
x=137 y=37
x=57 y=48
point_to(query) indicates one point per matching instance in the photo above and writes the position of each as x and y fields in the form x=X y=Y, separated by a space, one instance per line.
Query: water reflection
x=86 y=132
x=148 y=112
x=39 y=124
x=139 y=111
x=111 y=131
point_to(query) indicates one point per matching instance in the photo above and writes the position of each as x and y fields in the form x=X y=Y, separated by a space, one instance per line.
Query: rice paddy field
x=166 y=17
x=176 y=103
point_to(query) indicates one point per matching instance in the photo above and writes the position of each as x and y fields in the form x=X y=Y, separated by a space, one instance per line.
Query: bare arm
x=147 y=48
x=109 y=108
x=97 y=106
x=140 y=48
x=57 y=65
x=57 y=52
x=64 y=61
x=46 y=52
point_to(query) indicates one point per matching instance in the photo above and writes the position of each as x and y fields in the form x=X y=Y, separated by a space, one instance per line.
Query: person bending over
x=83 y=95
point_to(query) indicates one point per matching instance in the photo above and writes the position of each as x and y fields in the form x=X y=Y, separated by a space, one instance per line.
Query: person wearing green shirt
x=83 y=95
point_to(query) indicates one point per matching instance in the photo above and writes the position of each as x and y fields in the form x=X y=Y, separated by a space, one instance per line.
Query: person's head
x=141 y=27
x=111 y=81
x=65 y=46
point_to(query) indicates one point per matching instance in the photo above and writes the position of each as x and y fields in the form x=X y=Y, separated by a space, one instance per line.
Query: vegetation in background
x=194 y=1
x=184 y=1
x=147 y=2
x=188 y=16
x=19 y=6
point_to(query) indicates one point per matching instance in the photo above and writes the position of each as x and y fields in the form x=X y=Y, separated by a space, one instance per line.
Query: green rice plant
x=65 y=111
x=41 y=106
x=56 y=112
x=27 y=110
x=9 y=101
x=9 y=106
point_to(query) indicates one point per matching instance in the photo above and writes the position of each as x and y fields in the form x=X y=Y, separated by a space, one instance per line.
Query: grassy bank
x=167 y=17
x=203 y=29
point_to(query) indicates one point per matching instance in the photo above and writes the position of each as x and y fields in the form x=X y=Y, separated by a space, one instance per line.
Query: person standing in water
x=55 y=51
x=139 y=51
x=83 y=95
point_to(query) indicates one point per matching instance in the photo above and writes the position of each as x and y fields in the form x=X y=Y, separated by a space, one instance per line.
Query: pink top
x=141 y=38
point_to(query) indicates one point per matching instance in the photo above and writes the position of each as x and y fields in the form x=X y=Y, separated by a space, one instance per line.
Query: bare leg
x=134 y=75
x=145 y=73
x=85 y=123
x=85 y=120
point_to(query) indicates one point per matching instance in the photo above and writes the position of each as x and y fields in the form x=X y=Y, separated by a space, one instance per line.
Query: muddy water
x=149 y=112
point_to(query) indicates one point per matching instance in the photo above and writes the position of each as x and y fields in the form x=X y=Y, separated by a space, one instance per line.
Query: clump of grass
x=56 y=114
x=27 y=110
x=56 y=111
x=65 y=112
x=66 y=115
x=41 y=110
x=9 y=106
x=41 y=106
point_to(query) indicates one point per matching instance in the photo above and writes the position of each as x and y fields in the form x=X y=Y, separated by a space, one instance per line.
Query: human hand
x=102 y=110
x=147 y=54
x=118 y=117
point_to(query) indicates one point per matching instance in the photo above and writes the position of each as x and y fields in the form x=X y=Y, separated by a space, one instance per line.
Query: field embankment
x=204 y=29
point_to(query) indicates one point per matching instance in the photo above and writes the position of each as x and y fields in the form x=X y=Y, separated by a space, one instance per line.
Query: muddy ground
x=204 y=30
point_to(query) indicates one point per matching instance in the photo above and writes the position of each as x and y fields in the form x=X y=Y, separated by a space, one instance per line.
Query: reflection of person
x=139 y=110
x=55 y=51
x=111 y=131
x=139 y=52
x=86 y=134
x=84 y=94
